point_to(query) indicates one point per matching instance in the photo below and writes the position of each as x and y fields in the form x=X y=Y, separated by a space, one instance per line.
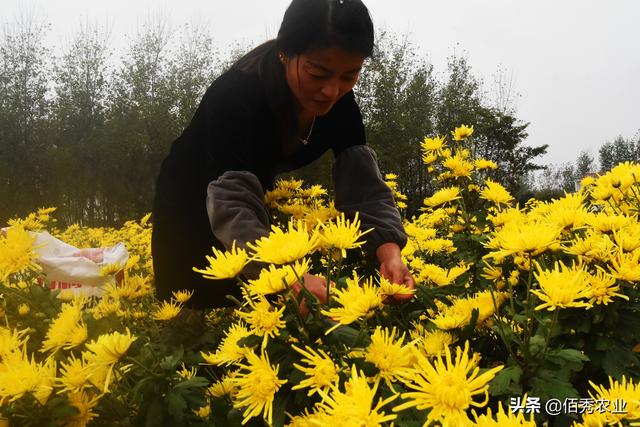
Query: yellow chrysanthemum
x=603 y=288
x=84 y=403
x=625 y=390
x=109 y=348
x=523 y=237
x=264 y=320
x=435 y=143
x=390 y=289
x=439 y=276
x=182 y=296
x=503 y=418
x=257 y=383
x=67 y=330
x=458 y=166
x=433 y=343
x=495 y=193
x=355 y=405
x=462 y=132
x=342 y=234
x=459 y=313
x=110 y=269
x=442 y=196
x=224 y=265
x=562 y=287
x=283 y=247
x=224 y=387
x=16 y=252
x=11 y=340
x=448 y=387
x=358 y=300
x=20 y=375
x=485 y=164
x=626 y=266
x=277 y=279
x=388 y=352
x=74 y=375
x=321 y=372
x=229 y=351
x=167 y=310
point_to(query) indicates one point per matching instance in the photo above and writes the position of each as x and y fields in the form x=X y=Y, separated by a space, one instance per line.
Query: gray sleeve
x=360 y=188
x=236 y=211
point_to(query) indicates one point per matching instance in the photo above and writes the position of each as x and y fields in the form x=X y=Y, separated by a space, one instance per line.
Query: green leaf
x=617 y=361
x=176 y=405
x=550 y=384
x=567 y=355
x=507 y=381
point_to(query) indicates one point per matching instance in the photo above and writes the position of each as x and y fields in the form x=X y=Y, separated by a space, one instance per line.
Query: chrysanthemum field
x=522 y=315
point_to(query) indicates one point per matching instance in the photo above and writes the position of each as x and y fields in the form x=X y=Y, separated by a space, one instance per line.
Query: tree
x=585 y=164
x=617 y=151
x=77 y=122
x=23 y=114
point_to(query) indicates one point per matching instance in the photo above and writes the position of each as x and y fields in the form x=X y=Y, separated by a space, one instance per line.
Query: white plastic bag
x=67 y=267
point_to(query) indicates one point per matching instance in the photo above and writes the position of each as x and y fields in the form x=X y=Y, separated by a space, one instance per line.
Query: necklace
x=305 y=141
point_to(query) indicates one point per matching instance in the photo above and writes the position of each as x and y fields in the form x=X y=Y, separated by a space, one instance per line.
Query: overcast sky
x=575 y=63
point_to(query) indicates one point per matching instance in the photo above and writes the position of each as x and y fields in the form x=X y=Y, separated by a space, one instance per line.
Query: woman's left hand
x=393 y=268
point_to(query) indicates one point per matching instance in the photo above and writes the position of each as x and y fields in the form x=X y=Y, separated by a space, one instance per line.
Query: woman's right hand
x=314 y=284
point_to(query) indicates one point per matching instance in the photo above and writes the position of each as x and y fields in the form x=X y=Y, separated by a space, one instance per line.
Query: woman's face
x=318 y=79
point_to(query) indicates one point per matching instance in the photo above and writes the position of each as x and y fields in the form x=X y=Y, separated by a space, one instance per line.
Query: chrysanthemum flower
x=321 y=372
x=459 y=313
x=618 y=391
x=358 y=300
x=495 y=193
x=110 y=269
x=442 y=196
x=523 y=237
x=388 y=352
x=224 y=387
x=436 y=143
x=167 y=310
x=448 y=387
x=462 y=132
x=257 y=383
x=182 y=296
x=84 y=403
x=67 y=330
x=74 y=375
x=503 y=418
x=283 y=247
x=485 y=164
x=264 y=320
x=433 y=343
x=11 y=340
x=458 y=166
x=562 y=287
x=626 y=266
x=390 y=289
x=17 y=252
x=355 y=405
x=342 y=234
x=224 y=265
x=439 y=276
x=277 y=279
x=229 y=351
x=603 y=288
x=109 y=348
x=20 y=375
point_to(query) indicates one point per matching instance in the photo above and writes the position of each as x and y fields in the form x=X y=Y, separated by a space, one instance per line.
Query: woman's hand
x=314 y=284
x=393 y=269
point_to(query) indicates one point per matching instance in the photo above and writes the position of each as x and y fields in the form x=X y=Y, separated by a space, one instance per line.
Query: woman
x=277 y=109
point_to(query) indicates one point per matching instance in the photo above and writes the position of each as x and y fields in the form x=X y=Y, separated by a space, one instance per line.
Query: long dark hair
x=307 y=25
